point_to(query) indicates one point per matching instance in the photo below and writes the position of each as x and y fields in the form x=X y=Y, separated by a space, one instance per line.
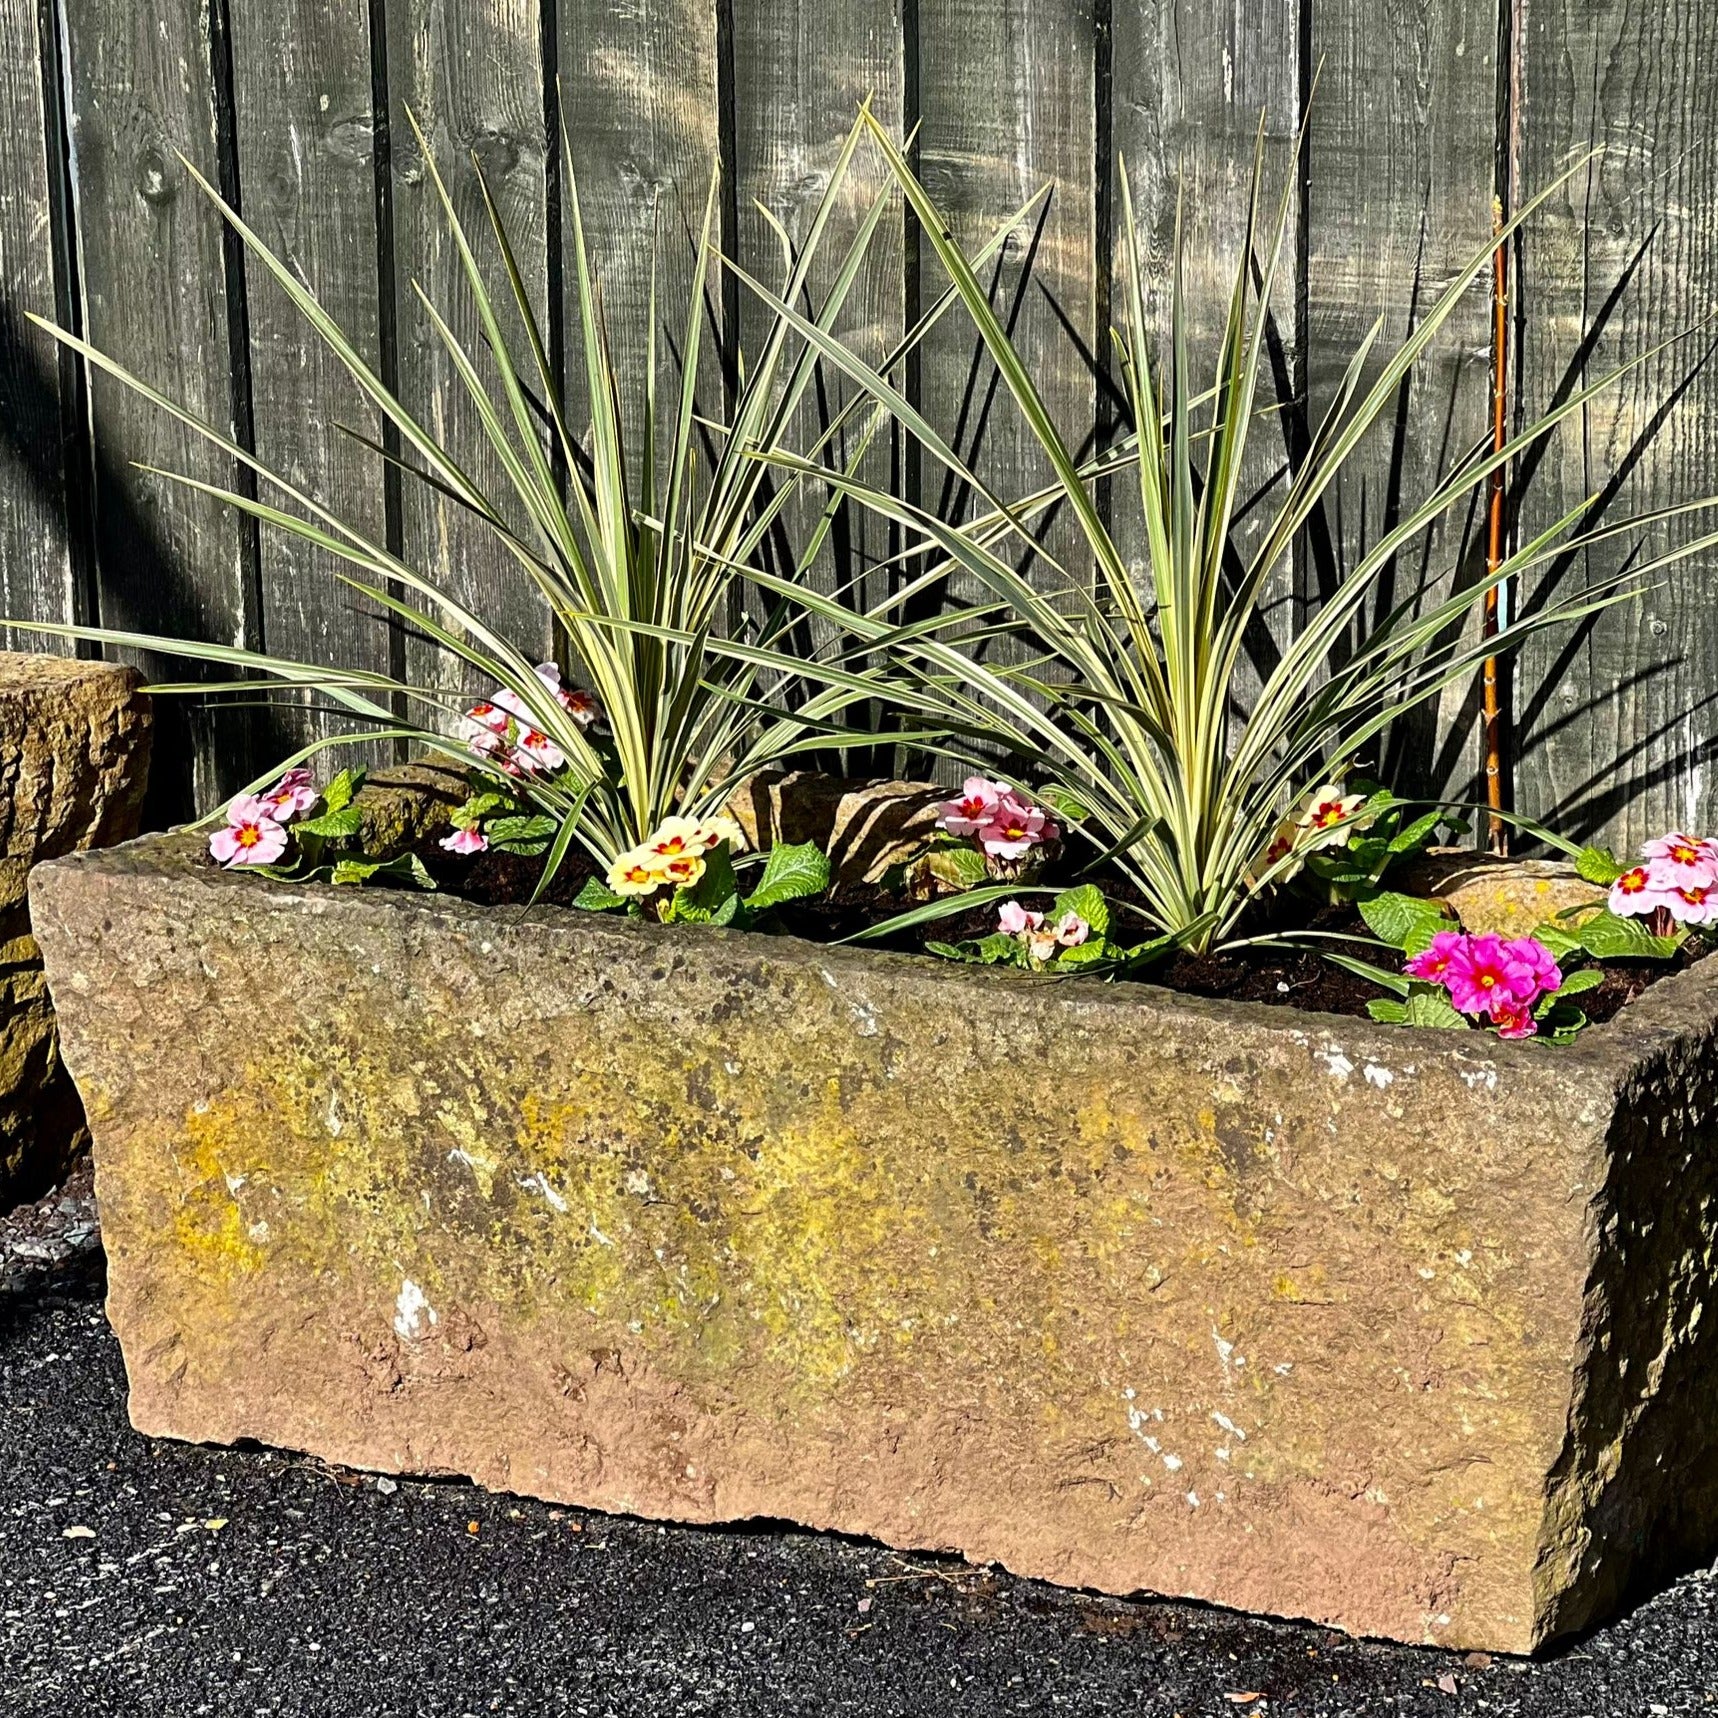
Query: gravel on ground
x=163 y=1579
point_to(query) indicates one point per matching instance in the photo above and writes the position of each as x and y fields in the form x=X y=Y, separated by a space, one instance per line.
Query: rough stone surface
x=1511 y=897
x=1396 y=1331
x=864 y=827
x=74 y=761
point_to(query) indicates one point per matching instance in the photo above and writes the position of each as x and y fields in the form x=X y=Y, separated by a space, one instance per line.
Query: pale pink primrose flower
x=1696 y=904
x=973 y=808
x=1633 y=894
x=1072 y=930
x=537 y=751
x=1014 y=829
x=1016 y=920
x=1041 y=943
x=466 y=841
x=252 y=836
x=1680 y=861
x=291 y=796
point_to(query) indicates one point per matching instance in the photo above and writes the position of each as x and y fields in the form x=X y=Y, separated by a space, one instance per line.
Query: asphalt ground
x=140 y=1577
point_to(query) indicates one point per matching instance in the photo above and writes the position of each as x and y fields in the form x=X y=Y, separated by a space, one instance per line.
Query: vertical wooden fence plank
x=800 y=75
x=1192 y=80
x=1007 y=103
x=302 y=74
x=1401 y=172
x=473 y=76
x=35 y=565
x=1616 y=725
x=155 y=295
x=640 y=105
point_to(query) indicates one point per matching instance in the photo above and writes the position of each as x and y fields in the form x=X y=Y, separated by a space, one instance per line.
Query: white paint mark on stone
x=1338 y=1063
x=1193 y=1500
x=234 y=1183
x=1229 y=1426
x=413 y=1315
x=731 y=1067
x=1173 y=1463
x=1476 y=1077
x=539 y=1183
x=1376 y=1076
x=866 y=1016
x=600 y=1235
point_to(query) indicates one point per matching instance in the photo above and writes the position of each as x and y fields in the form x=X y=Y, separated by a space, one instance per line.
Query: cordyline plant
x=1123 y=712
x=636 y=555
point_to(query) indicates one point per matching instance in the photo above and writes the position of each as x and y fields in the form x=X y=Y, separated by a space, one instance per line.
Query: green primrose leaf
x=1599 y=865
x=1607 y=936
x=1558 y=941
x=597 y=897
x=1431 y=1007
x=478 y=807
x=967 y=952
x=1416 y=835
x=340 y=792
x=1087 y=901
x=714 y=898
x=340 y=824
x=999 y=947
x=792 y=872
x=1394 y=918
x=1587 y=978
x=523 y=833
x=1088 y=953
x=1064 y=804
x=403 y=868
x=1389 y=1012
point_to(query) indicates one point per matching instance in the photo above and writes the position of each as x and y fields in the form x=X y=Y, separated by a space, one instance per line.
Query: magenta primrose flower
x=253 y=836
x=1503 y=981
x=466 y=841
x=1433 y=964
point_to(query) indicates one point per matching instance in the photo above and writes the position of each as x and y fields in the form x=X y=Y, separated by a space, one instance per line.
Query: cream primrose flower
x=636 y=873
x=1329 y=816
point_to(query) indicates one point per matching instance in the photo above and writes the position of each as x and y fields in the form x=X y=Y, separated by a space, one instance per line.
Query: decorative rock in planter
x=1507 y=897
x=1399 y=1331
x=74 y=760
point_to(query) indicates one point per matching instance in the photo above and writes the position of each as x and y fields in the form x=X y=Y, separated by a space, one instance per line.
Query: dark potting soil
x=1297 y=977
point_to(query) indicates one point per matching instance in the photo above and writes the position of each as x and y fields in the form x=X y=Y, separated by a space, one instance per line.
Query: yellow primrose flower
x=680 y=871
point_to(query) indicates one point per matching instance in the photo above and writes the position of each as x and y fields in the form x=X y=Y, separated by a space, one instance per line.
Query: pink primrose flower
x=291 y=796
x=466 y=841
x=1015 y=828
x=252 y=835
x=1016 y=920
x=973 y=808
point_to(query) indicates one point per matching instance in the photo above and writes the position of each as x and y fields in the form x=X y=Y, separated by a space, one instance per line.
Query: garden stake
x=1498 y=830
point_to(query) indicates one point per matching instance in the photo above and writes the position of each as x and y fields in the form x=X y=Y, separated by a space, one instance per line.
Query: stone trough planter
x=1398 y=1331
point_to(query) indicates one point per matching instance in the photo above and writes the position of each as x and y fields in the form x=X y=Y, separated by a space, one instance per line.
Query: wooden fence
x=1423 y=110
